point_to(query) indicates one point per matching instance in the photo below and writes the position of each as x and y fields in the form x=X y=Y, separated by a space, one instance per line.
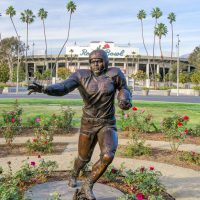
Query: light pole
x=18 y=63
x=178 y=64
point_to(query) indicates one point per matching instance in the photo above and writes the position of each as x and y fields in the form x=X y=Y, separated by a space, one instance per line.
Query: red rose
x=106 y=46
x=33 y=163
x=13 y=120
x=45 y=142
x=151 y=168
x=34 y=140
x=185 y=117
x=140 y=196
x=186 y=131
x=134 y=108
x=180 y=124
x=114 y=171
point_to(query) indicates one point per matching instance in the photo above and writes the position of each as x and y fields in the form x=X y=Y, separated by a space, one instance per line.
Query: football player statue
x=97 y=86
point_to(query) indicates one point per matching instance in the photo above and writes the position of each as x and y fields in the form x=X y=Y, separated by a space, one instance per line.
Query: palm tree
x=11 y=12
x=71 y=7
x=155 y=13
x=28 y=18
x=142 y=15
x=161 y=30
x=172 y=18
x=43 y=15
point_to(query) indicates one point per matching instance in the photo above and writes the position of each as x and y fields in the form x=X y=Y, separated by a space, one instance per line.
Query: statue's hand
x=35 y=87
x=125 y=104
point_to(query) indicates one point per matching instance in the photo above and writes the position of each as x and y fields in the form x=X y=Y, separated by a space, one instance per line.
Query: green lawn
x=34 y=107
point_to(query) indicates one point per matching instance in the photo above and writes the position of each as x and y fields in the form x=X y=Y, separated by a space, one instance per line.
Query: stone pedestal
x=42 y=191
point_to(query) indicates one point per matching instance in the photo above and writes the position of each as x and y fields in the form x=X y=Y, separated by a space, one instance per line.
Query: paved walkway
x=182 y=183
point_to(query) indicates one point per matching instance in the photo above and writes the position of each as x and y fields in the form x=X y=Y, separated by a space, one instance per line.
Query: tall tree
x=9 y=51
x=161 y=30
x=155 y=13
x=43 y=15
x=142 y=15
x=11 y=12
x=71 y=8
x=172 y=18
x=28 y=18
x=194 y=58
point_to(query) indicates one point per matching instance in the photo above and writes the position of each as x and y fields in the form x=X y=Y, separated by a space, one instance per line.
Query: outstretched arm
x=58 y=89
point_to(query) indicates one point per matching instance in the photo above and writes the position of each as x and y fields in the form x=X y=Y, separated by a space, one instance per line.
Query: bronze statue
x=97 y=87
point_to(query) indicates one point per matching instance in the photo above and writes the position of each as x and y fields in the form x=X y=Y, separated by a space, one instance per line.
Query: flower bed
x=183 y=159
x=22 y=150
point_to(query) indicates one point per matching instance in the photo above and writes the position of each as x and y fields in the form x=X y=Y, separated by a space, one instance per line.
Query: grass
x=35 y=107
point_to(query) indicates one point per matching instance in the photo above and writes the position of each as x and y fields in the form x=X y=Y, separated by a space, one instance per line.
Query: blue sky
x=105 y=20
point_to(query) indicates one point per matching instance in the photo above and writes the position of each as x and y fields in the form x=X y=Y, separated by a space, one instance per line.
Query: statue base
x=43 y=191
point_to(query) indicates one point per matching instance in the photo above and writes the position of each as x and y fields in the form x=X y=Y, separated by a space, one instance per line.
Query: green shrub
x=192 y=157
x=21 y=74
x=195 y=77
x=136 y=149
x=196 y=87
x=63 y=73
x=4 y=72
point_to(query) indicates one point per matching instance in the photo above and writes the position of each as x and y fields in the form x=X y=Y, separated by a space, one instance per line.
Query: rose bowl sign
x=109 y=47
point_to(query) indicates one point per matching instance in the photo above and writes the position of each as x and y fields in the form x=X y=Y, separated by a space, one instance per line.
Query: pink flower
x=140 y=196
x=37 y=120
x=180 y=124
x=126 y=116
x=143 y=110
x=186 y=118
x=33 y=163
x=151 y=168
x=106 y=46
x=134 y=108
x=13 y=120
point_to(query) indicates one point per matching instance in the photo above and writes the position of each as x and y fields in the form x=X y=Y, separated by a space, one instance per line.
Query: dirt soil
x=21 y=150
x=162 y=156
x=160 y=137
x=64 y=175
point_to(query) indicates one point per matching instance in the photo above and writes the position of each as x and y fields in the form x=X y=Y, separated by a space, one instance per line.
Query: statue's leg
x=108 y=141
x=85 y=149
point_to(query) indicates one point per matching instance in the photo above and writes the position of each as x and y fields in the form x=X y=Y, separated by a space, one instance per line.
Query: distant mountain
x=186 y=56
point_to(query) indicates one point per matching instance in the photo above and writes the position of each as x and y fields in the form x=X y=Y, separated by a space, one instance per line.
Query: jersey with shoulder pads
x=98 y=93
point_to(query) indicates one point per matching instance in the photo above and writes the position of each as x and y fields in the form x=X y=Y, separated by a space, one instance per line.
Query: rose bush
x=13 y=185
x=175 y=130
x=42 y=141
x=12 y=122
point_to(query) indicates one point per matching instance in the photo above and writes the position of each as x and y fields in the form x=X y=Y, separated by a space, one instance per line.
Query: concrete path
x=74 y=139
x=182 y=183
